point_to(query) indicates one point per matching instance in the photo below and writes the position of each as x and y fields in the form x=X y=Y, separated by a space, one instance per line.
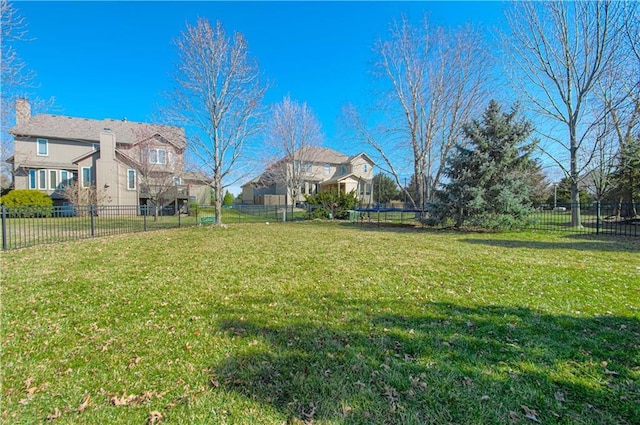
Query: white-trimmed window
x=177 y=181
x=157 y=156
x=366 y=168
x=65 y=176
x=33 y=179
x=343 y=170
x=42 y=179
x=86 y=177
x=42 y=147
x=131 y=179
x=53 y=179
x=327 y=169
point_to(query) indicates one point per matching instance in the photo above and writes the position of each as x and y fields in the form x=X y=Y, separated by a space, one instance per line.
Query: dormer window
x=42 y=148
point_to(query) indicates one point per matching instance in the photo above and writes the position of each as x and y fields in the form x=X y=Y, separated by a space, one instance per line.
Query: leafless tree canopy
x=217 y=96
x=436 y=81
x=15 y=77
x=560 y=53
x=292 y=129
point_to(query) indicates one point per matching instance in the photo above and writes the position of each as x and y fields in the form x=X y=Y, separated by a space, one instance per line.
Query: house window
x=86 y=176
x=131 y=179
x=53 y=179
x=33 y=179
x=366 y=168
x=42 y=147
x=327 y=169
x=177 y=181
x=308 y=167
x=42 y=179
x=64 y=178
x=157 y=156
x=368 y=188
x=343 y=170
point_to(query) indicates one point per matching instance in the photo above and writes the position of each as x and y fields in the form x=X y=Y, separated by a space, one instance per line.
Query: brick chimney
x=23 y=111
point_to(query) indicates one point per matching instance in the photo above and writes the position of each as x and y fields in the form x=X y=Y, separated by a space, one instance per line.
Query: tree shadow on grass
x=450 y=364
x=576 y=242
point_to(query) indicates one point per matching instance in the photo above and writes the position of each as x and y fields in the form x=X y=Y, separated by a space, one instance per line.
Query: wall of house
x=60 y=156
x=358 y=167
x=60 y=152
x=201 y=193
x=125 y=195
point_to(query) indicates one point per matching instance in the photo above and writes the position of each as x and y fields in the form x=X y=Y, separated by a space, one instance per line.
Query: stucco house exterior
x=322 y=169
x=128 y=163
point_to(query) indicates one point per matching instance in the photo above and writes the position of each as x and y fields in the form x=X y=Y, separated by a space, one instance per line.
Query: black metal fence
x=618 y=219
x=29 y=226
x=611 y=218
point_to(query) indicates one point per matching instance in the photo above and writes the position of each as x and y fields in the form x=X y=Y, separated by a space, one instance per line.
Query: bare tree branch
x=436 y=82
x=217 y=96
x=558 y=53
x=291 y=134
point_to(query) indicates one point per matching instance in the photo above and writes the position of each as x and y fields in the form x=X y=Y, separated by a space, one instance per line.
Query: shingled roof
x=320 y=155
x=72 y=128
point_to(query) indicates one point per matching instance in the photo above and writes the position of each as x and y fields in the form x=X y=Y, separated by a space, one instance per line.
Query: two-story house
x=127 y=163
x=310 y=170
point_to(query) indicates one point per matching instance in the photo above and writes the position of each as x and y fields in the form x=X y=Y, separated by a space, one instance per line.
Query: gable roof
x=363 y=155
x=85 y=129
x=350 y=176
x=321 y=155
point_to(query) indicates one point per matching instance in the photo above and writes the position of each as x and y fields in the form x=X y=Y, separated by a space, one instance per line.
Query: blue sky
x=114 y=59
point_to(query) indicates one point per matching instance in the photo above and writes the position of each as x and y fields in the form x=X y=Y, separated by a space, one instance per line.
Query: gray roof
x=72 y=128
x=322 y=155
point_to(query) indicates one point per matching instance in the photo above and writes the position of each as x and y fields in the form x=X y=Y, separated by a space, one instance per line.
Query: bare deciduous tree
x=217 y=96
x=292 y=132
x=559 y=53
x=14 y=78
x=437 y=81
x=75 y=193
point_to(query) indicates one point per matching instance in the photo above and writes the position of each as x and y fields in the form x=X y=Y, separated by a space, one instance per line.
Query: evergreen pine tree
x=626 y=179
x=487 y=177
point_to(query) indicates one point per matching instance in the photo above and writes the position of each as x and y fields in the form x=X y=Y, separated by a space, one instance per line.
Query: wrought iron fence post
x=4 y=228
x=598 y=217
x=144 y=219
x=178 y=217
x=93 y=220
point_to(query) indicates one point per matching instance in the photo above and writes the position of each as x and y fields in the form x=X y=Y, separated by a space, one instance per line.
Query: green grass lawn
x=322 y=323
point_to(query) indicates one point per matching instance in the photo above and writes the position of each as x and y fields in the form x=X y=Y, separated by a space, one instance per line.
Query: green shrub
x=193 y=208
x=27 y=203
x=333 y=204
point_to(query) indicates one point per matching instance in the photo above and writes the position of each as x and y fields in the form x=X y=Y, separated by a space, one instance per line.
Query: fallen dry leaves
x=154 y=417
x=530 y=414
x=132 y=399
x=84 y=404
x=55 y=415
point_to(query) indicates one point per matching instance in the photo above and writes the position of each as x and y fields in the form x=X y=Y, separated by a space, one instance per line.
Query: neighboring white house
x=322 y=169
